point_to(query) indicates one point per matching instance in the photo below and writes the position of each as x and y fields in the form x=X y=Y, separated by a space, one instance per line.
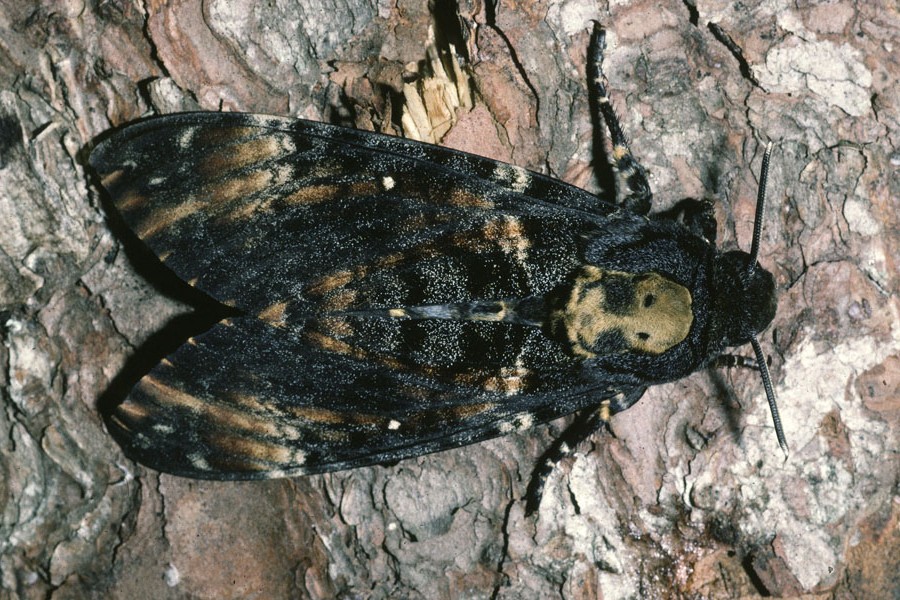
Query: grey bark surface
x=690 y=496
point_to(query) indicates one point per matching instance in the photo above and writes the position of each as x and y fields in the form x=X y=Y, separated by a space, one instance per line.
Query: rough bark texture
x=691 y=497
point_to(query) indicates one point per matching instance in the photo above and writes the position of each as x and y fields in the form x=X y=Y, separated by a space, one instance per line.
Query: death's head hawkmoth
x=394 y=298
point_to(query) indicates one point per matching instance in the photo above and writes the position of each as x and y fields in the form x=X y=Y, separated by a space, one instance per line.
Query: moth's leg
x=631 y=180
x=735 y=360
x=697 y=215
x=586 y=423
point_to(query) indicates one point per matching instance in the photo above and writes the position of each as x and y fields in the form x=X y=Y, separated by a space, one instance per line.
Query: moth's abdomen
x=446 y=350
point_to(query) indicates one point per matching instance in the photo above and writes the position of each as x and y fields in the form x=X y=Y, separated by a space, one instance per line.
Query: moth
x=393 y=298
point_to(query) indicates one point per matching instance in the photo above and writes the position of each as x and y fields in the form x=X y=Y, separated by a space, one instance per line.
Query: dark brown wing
x=361 y=263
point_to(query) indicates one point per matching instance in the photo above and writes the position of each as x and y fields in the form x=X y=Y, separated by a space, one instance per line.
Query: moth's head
x=746 y=297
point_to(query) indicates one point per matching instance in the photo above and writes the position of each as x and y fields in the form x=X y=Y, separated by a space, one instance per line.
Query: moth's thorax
x=607 y=312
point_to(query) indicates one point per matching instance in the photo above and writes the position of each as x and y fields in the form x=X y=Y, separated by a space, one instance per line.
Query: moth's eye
x=649 y=299
x=643 y=335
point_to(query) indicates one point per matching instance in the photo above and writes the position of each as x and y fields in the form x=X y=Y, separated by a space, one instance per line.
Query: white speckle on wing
x=199 y=462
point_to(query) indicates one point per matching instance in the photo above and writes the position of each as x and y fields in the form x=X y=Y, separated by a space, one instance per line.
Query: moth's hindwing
x=397 y=298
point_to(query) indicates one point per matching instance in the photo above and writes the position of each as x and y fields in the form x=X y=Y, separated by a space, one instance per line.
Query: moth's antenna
x=760 y=207
x=770 y=393
x=754 y=252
